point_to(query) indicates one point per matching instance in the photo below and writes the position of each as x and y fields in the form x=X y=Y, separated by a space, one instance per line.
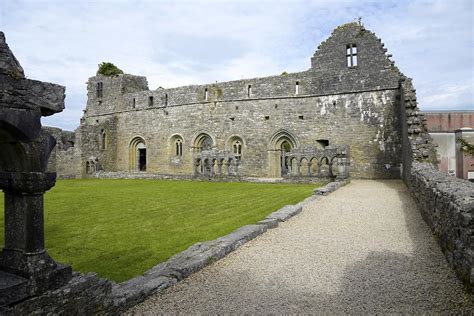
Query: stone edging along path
x=129 y=293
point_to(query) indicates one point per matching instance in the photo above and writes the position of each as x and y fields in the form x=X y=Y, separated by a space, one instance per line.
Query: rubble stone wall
x=358 y=106
x=64 y=157
x=446 y=203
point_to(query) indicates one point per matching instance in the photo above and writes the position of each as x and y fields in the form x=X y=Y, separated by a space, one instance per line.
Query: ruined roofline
x=310 y=72
x=447 y=111
x=245 y=80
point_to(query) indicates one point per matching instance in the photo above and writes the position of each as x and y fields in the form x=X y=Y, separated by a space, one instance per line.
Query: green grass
x=121 y=228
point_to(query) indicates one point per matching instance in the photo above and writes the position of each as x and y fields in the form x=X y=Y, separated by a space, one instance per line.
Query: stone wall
x=368 y=120
x=446 y=203
x=358 y=106
x=64 y=157
x=85 y=294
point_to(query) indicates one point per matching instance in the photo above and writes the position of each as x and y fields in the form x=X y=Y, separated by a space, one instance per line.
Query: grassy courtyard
x=121 y=228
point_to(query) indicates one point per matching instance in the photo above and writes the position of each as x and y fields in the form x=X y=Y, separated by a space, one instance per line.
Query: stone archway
x=138 y=154
x=202 y=142
x=280 y=143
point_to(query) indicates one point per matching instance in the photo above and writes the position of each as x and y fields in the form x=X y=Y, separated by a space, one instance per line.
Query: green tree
x=108 y=69
x=465 y=146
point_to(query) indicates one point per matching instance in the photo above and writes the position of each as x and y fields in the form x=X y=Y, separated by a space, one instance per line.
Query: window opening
x=100 y=87
x=249 y=91
x=297 y=86
x=150 y=101
x=351 y=55
x=103 y=140
x=237 y=148
x=179 y=147
x=323 y=142
x=206 y=95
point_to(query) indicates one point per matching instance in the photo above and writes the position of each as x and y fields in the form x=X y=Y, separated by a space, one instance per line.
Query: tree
x=465 y=146
x=108 y=69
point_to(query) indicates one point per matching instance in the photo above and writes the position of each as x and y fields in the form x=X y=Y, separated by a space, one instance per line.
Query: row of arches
x=284 y=154
x=202 y=142
x=210 y=167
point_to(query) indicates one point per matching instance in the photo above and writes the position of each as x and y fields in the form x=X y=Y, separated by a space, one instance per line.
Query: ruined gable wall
x=357 y=106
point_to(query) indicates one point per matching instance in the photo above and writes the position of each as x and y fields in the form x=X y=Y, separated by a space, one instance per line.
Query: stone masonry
x=349 y=96
x=30 y=280
x=446 y=203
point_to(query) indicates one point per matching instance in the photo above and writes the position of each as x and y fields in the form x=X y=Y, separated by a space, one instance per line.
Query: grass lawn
x=121 y=228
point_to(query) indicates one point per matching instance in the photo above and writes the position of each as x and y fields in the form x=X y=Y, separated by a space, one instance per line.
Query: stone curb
x=198 y=256
x=331 y=187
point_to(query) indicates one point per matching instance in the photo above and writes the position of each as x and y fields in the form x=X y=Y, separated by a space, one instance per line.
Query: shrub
x=108 y=69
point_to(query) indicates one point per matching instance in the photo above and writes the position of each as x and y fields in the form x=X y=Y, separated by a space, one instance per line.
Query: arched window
x=103 y=140
x=237 y=149
x=203 y=142
x=179 y=147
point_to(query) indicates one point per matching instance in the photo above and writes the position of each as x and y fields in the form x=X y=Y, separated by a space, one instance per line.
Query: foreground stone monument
x=26 y=267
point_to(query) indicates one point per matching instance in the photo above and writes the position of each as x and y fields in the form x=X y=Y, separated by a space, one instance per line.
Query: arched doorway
x=281 y=143
x=284 y=163
x=138 y=157
x=203 y=142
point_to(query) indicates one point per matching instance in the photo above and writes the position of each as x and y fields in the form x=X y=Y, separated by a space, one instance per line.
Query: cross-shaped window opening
x=351 y=55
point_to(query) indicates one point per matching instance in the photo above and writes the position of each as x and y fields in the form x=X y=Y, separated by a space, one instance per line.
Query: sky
x=175 y=43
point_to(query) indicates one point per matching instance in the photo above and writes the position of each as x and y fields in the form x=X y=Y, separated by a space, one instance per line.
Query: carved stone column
x=330 y=170
x=24 y=253
x=25 y=267
x=219 y=168
x=343 y=168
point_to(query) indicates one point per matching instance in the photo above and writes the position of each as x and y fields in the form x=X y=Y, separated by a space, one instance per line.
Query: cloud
x=197 y=42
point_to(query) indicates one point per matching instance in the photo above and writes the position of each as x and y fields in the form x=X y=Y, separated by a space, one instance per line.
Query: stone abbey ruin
x=352 y=114
x=344 y=110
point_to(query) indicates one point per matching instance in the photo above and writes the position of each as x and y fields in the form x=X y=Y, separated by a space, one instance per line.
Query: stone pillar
x=298 y=169
x=24 y=154
x=309 y=169
x=24 y=253
x=342 y=168
x=282 y=163
x=196 y=167
x=237 y=167
x=219 y=168
x=211 y=168
x=227 y=164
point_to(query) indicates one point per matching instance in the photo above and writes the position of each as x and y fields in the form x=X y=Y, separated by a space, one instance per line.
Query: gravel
x=362 y=249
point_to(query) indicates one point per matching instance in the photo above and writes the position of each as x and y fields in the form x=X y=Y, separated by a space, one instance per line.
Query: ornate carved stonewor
x=311 y=159
x=216 y=163
x=26 y=269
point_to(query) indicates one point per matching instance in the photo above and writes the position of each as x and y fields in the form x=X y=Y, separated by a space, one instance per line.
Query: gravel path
x=362 y=249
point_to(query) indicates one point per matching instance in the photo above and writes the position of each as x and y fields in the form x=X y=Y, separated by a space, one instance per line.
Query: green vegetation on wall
x=465 y=146
x=108 y=69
